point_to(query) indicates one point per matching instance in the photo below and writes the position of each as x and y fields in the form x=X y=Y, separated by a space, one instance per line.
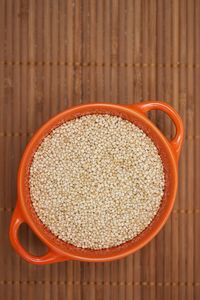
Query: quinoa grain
x=96 y=181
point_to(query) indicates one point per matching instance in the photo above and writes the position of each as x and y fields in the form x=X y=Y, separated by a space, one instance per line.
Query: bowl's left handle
x=48 y=258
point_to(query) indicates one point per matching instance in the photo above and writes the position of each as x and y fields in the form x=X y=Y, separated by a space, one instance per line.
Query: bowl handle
x=48 y=258
x=176 y=142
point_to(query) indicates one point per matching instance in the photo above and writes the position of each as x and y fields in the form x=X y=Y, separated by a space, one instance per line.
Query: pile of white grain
x=96 y=181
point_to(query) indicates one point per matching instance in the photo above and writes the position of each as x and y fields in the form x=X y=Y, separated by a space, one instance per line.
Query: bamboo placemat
x=58 y=53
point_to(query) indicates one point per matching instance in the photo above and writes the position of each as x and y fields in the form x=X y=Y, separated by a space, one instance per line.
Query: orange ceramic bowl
x=61 y=251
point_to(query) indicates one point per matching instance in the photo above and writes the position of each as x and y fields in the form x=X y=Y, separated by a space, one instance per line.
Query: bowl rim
x=21 y=206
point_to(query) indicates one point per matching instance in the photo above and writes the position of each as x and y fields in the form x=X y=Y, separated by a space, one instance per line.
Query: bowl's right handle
x=48 y=258
x=177 y=141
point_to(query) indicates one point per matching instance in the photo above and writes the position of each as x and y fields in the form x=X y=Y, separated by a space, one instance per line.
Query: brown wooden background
x=57 y=53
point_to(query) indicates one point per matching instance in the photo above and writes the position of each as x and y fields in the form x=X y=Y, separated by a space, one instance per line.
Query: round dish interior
x=96 y=181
